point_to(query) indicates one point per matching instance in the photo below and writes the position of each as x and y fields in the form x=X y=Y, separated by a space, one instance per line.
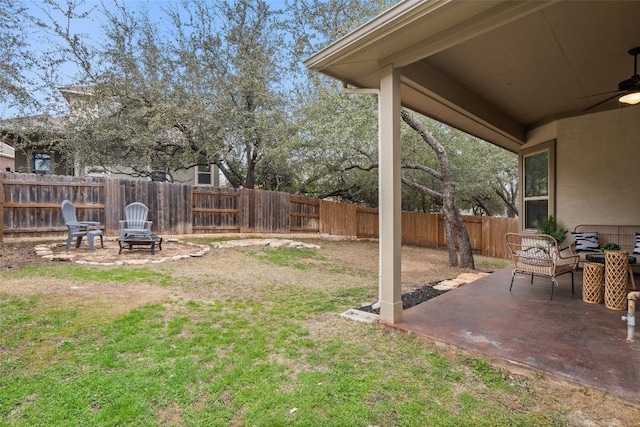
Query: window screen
x=536 y=177
x=204 y=175
x=536 y=188
x=535 y=210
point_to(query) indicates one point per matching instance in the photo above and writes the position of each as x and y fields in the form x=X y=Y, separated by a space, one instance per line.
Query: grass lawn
x=243 y=337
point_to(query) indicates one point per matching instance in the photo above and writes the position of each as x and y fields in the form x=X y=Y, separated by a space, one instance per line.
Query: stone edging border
x=47 y=253
x=272 y=243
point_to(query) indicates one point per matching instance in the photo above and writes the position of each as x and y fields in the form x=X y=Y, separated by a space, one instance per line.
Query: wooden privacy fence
x=30 y=207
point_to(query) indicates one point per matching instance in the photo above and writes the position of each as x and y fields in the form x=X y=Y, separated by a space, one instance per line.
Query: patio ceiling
x=495 y=69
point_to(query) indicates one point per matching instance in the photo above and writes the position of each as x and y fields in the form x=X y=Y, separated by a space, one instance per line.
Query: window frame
x=548 y=147
x=36 y=160
x=202 y=173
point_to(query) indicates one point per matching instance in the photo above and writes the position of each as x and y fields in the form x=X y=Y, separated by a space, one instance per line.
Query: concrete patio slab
x=565 y=338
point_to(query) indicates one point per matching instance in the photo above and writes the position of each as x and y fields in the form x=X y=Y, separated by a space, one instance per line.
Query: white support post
x=389 y=192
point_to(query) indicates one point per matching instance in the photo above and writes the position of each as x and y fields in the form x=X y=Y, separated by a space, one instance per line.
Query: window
x=158 y=176
x=203 y=175
x=41 y=162
x=537 y=185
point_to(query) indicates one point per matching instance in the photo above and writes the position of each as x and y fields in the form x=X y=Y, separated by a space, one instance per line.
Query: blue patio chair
x=79 y=229
x=135 y=221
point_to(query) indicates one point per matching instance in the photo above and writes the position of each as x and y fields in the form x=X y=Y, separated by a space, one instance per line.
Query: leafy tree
x=335 y=146
x=207 y=91
x=477 y=182
x=206 y=84
x=14 y=56
x=488 y=187
x=437 y=192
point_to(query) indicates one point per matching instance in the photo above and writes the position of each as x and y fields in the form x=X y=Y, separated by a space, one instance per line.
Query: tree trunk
x=482 y=203
x=464 y=244
x=451 y=246
x=452 y=217
x=510 y=201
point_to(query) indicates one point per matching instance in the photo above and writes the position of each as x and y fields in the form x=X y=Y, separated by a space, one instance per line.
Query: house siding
x=597 y=158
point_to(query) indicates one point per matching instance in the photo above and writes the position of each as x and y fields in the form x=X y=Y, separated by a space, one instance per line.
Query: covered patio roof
x=494 y=69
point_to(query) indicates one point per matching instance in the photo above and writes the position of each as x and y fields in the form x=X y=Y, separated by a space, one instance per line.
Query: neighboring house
x=44 y=158
x=532 y=77
x=7 y=158
x=38 y=135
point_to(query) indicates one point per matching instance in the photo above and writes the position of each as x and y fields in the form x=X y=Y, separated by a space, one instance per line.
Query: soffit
x=494 y=69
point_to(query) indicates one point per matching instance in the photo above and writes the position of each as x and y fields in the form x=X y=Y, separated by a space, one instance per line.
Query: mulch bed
x=410 y=299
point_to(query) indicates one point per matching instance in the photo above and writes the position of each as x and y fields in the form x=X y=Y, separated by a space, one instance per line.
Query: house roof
x=29 y=123
x=495 y=69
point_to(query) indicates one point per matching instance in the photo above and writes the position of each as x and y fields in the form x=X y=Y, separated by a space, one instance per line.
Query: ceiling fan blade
x=599 y=94
x=603 y=101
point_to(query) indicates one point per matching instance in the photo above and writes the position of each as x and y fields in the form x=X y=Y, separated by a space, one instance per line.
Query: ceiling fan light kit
x=630 y=87
x=630 y=98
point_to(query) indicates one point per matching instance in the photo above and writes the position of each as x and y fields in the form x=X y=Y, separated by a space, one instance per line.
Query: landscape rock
x=109 y=256
x=272 y=243
x=135 y=261
x=462 y=279
x=360 y=316
x=447 y=285
x=60 y=257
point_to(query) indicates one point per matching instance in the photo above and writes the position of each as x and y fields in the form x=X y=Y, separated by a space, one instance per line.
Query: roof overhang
x=495 y=69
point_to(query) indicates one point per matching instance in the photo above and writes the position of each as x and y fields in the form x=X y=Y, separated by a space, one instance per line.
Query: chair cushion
x=534 y=256
x=636 y=248
x=586 y=242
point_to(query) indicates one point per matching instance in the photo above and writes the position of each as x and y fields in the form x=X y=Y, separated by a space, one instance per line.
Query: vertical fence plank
x=338 y=219
x=367 y=222
x=304 y=215
x=111 y=202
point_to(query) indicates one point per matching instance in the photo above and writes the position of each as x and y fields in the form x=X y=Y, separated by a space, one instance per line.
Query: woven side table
x=616 y=273
x=593 y=283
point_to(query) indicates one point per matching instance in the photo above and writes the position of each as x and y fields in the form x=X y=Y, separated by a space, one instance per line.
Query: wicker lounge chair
x=539 y=255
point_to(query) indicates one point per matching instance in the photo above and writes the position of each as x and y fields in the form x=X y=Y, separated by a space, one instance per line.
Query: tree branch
x=424 y=168
x=438 y=198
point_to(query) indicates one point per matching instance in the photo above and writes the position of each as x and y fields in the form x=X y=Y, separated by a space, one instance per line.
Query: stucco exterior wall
x=597 y=168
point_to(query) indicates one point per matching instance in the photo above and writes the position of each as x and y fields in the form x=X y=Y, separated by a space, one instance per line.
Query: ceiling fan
x=630 y=87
